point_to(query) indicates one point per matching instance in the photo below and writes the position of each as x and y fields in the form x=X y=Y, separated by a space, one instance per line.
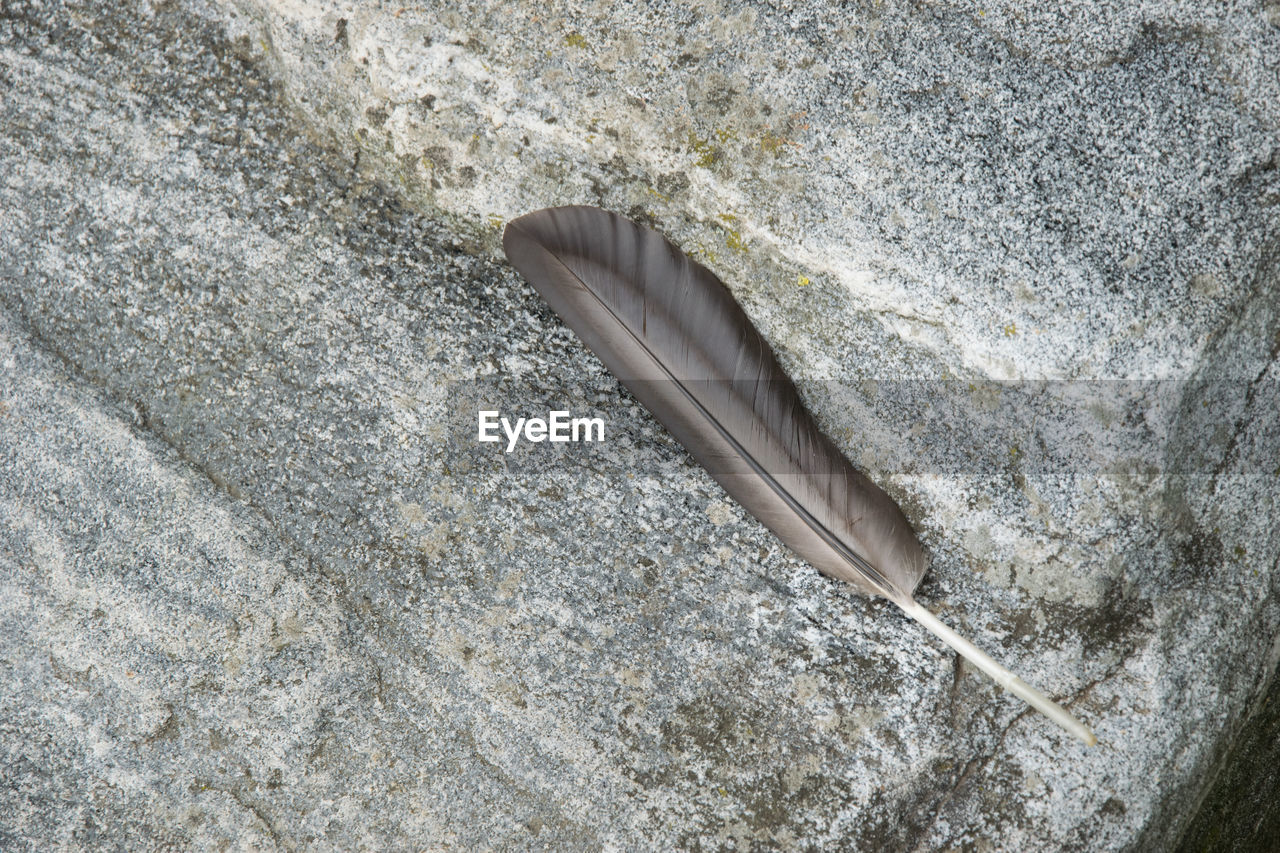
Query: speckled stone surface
x=261 y=587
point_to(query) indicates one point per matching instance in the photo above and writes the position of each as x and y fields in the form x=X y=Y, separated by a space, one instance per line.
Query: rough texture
x=1239 y=812
x=261 y=586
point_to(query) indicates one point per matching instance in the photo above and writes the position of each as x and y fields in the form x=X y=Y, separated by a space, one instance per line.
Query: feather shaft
x=999 y=674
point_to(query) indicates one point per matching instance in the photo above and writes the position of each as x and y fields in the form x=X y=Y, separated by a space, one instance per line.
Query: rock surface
x=262 y=587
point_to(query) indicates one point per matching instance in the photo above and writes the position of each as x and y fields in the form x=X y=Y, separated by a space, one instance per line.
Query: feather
x=670 y=331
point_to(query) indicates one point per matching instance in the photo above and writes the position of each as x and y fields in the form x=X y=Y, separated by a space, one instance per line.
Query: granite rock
x=262 y=587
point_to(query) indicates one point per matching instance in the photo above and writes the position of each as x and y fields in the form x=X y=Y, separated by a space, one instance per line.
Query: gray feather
x=673 y=334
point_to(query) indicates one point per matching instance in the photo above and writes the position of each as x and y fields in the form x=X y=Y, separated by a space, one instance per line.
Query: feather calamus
x=670 y=331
